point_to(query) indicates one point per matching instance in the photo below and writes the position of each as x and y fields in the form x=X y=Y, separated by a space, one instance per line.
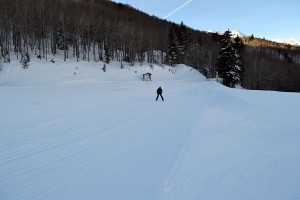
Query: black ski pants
x=158 y=94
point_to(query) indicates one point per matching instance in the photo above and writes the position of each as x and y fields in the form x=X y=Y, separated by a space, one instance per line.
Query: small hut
x=147 y=77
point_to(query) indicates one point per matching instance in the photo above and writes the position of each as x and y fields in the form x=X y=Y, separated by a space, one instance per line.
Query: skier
x=159 y=93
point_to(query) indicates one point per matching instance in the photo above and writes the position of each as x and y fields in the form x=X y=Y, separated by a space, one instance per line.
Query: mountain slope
x=236 y=33
x=291 y=41
x=101 y=135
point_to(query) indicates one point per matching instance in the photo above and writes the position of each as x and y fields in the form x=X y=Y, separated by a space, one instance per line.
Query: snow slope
x=236 y=33
x=291 y=41
x=97 y=135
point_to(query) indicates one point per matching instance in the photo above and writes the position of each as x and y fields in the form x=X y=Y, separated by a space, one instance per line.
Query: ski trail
x=114 y=141
x=269 y=178
x=84 y=131
x=75 y=138
x=175 y=182
x=205 y=187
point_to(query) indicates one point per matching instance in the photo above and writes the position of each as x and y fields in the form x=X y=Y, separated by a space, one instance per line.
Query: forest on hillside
x=101 y=30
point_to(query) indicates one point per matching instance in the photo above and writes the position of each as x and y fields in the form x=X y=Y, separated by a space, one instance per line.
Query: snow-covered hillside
x=42 y=72
x=236 y=33
x=291 y=41
x=71 y=131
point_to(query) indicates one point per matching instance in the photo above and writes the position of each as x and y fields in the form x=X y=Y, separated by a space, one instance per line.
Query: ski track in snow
x=174 y=180
x=92 y=139
x=269 y=178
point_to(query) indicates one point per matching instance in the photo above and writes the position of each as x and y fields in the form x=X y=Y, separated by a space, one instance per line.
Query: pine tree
x=229 y=61
x=225 y=39
x=239 y=47
x=182 y=36
x=238 y=44
x=106 y=52
x=207 y=65
x=198 y=52
x=229 y=66
x=178 y=40
x=104 y=68
x=172 y=49
x=25 y=59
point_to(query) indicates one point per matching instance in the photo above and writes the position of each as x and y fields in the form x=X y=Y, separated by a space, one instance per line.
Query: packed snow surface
x=69 y=130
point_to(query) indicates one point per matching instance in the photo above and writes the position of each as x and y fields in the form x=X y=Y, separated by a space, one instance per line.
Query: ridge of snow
x=291 y=41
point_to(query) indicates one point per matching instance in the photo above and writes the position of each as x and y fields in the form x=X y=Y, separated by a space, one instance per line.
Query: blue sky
x=272 y=19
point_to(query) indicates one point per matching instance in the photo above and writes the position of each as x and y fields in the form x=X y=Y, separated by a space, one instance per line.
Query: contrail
x=180 y=7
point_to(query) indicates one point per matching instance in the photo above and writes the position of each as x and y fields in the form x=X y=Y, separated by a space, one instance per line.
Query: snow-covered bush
x=25 y=59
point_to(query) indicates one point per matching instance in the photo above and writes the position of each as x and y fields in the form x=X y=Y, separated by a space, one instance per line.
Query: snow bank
x=42 y=72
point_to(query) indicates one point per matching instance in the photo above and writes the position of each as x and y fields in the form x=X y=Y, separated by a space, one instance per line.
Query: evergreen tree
x=225 y=39
x=239 y=47
x=229 y=66
x=238 y=44
x=198 y=52
x=207 y=65
x=199 y=43
x=172 y=48
x=25 y=59
x=229 y=61
x=106 y=52
x=182 y=42
x=216 y=37
x=178 y=40
x=104 y=68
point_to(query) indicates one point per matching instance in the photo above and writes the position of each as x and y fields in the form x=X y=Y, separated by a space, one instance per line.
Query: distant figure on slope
x=159 y=93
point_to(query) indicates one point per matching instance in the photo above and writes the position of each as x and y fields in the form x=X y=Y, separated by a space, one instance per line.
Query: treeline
x=48 y=25
x=268 y=69
x=102 y=30
x=98 y=30
x=280 y=50
x=92 y=30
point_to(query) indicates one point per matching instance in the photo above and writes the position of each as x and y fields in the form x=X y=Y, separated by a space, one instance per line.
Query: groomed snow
x=101 y=135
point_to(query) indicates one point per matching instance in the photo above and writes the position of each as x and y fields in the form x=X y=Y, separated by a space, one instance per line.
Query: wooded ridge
x=102 y=30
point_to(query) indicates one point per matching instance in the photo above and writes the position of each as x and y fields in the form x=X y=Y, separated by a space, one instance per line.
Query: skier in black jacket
x=159 y=93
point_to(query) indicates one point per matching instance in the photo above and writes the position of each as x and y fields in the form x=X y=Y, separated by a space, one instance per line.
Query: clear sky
x=272 y=19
